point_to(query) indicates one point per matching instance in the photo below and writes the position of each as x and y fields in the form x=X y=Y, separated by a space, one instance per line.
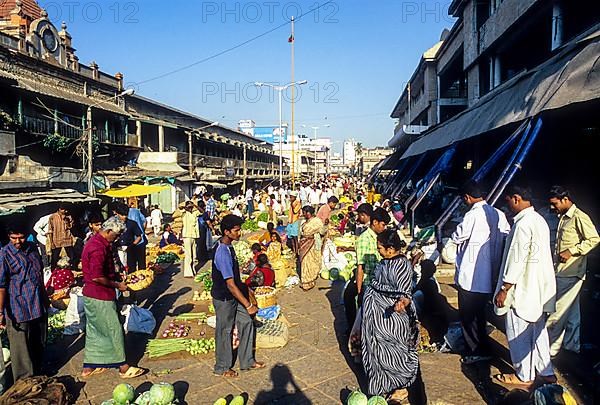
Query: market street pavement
x=313 y=368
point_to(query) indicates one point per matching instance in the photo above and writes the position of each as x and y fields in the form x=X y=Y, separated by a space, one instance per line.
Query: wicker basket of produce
x=265 y=297
x=139 y=280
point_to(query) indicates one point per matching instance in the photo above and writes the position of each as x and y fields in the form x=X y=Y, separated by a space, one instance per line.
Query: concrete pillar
x=138 y=133
x=557 y=25
x=161 y=138
x=497 y=71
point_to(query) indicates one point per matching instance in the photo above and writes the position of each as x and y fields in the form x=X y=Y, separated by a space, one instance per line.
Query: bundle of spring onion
x=163 y=347
x=192 y=316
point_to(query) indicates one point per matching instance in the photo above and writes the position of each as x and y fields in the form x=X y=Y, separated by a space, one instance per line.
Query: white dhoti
x=563 y=325
x=190 y=259
x=529 y=346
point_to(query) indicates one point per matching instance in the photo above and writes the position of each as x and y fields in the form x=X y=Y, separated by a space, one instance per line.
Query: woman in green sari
x=104 y=340
x=311 y=259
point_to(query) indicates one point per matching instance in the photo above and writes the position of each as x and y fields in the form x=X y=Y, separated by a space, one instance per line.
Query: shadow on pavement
x=340 y=325
x=282 y=379
x=152 y=298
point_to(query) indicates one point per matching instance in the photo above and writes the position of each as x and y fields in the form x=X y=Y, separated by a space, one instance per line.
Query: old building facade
x=50 y=102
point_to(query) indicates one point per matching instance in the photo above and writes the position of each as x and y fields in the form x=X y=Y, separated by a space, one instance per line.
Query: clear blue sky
x=356 y=56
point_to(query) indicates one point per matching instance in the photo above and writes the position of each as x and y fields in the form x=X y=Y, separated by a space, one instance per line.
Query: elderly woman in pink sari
x=310 y=248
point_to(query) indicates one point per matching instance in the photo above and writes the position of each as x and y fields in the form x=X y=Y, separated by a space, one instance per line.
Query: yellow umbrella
x=135 y=190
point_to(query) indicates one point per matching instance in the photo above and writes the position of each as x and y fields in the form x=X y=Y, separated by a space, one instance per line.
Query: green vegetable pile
x=263 y=217
x=56 y=326
x=334 y=220
x=201 y=346
x=167 y=258
x=206 y=279
x=250 y=225
x=163 y=347
x=159 y=394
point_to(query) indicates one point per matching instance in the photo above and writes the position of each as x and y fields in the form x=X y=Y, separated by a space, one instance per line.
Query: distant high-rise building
x=349 y=152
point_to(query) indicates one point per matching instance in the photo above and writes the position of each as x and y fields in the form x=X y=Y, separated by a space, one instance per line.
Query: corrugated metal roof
x=48 y=90
x=13 y=203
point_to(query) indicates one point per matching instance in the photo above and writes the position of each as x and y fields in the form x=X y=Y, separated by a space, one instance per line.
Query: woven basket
x=140 y=285
x=265 y=297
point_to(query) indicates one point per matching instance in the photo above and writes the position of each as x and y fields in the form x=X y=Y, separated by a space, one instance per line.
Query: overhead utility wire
x=208 y=58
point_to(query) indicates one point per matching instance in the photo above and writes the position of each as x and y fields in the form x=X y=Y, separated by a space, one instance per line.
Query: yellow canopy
x=135 y=190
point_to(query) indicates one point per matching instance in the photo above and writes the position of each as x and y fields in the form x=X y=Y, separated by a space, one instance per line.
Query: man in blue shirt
x=232 y=304
x=23 y=303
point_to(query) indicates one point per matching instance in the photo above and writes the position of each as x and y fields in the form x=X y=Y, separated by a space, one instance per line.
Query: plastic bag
x=138 y=320
x=75 y=316
x=354 y=342
x=270 y=313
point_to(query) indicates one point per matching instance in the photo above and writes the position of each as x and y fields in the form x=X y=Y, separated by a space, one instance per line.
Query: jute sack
x=36 y=391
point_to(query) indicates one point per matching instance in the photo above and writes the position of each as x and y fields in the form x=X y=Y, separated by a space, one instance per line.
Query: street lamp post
x=280 y=90
x=90 y=143
x=191 y=145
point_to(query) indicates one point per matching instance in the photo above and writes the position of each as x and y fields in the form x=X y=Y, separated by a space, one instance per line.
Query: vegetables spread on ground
x=250 y=225
x=176 y=330
x=206 y=279
x=168 y=257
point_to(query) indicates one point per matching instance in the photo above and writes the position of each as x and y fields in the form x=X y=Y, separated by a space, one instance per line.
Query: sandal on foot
x=511 y=379
x=132 y=372
x=227 y=374
x=96 y=371
x=256 y=366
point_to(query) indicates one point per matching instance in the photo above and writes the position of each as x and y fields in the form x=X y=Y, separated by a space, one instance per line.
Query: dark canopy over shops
x=570 y=77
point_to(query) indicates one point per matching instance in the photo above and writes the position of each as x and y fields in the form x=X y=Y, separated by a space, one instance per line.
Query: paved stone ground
x=314 y=367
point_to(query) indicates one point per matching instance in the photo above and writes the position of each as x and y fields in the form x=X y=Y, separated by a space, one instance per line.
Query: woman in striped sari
x=390 y=333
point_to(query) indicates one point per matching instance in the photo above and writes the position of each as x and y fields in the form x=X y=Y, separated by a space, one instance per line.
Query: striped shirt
x=60 y=229
x=21 y=275
x=211 y=208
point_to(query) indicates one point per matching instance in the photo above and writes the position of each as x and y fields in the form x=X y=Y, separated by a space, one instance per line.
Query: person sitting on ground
x=265 y=238
x=280 y=228
x=262 y=275
x=169 y=237
x=256 y=250
x=343 y=222
x=275 y=247
x=430 y=303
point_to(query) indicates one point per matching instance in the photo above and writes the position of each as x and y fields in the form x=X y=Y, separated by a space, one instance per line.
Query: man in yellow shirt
x=576 y=236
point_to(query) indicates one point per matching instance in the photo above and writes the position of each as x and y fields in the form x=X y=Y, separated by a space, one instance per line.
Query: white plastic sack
x=331 y=258
x=75 y=316
x=138 y=320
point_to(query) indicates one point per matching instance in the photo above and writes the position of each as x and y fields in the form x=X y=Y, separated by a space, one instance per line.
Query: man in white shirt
x=41 y=230
x=314 y=197
x=250 y=201
x=480 y=240
x=526 y=292
x=156 y=218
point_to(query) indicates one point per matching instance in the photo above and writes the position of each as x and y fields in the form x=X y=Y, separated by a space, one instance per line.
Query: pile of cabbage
x=159 y=394
x=243 y=252
x=358 y=398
